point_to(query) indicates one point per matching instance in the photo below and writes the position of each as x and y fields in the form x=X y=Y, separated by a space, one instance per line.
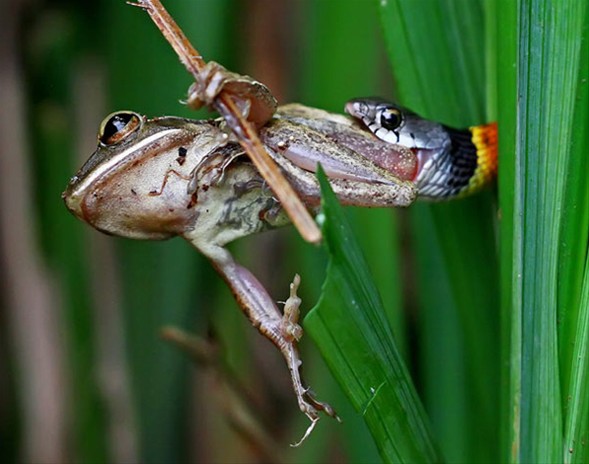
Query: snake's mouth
x=352 y=108
x=364 y=108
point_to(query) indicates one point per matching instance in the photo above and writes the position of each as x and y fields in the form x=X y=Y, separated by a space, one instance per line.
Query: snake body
x=451 y=163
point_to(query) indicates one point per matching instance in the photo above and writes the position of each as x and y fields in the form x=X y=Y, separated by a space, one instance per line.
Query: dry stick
x=245 y=132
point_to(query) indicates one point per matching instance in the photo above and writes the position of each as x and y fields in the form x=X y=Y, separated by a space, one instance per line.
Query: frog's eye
x=116 y=127
x=391 y=118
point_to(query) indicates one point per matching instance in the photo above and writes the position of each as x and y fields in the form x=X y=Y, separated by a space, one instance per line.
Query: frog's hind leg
x=282 y=329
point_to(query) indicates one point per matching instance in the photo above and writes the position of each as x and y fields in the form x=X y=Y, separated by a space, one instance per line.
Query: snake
x=451 y=163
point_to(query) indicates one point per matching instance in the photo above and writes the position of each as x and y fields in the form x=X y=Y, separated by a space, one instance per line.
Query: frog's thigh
x=369 y=194
x=352 y=191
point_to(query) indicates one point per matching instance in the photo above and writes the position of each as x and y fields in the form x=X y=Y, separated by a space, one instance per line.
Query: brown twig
x=244 y=131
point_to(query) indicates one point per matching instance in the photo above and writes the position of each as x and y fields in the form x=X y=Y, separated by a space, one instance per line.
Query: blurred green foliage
x=490 y=315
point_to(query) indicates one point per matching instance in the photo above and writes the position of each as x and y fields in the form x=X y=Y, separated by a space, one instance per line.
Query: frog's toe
x=254 y=100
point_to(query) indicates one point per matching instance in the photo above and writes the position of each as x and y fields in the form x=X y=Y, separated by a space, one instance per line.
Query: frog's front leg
x=282 y=330
x=254 y=99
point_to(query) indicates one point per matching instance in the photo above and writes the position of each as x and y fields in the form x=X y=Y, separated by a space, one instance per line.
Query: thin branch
x=244 y=131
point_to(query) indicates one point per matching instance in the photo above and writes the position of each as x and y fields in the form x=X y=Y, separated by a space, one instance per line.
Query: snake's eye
x=118 y=126
x=391 y=118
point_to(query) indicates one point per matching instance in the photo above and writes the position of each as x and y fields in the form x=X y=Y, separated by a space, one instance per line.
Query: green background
x=487 y=297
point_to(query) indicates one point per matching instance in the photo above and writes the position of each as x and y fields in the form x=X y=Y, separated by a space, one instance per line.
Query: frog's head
x=135 y=183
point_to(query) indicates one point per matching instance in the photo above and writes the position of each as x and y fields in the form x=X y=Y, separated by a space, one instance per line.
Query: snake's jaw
x=364 y=109
x=451 y=163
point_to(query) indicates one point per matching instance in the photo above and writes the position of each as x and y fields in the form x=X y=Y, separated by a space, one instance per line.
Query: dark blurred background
x=84 y=374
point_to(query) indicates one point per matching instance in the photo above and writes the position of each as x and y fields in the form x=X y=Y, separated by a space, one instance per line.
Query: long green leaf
x=575 y=225
x=438 y=57
x=350 y=328
x=441 y=363
x=510 y=231
x=573 y=299
x=577 y=420
x=547 y=66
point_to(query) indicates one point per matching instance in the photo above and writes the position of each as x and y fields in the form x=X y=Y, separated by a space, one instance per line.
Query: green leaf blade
x=350 y=328
x=510 y=231
x=544 y=70
x=573 y=297
x=438 y=55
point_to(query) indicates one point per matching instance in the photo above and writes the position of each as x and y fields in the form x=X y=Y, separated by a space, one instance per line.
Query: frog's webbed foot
x=290 y=328
x=254 y=99
x=241 y=188
x=291 y=334
x=213 y=165
x=273 y=214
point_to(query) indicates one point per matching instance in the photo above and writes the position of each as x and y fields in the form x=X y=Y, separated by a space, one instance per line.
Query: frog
x=158 y=178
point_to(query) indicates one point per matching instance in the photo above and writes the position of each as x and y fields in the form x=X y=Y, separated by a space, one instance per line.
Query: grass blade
x=575 y=226
x=577 y=420
x=547 y=66
x=351 y=330
x=573 y=298
x=438 y=57
x=510 y=231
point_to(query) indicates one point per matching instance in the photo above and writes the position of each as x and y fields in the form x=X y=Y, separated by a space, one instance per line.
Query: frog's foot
x=254 y=99
x=282 y=329
x=273 y=213
x=291 y=334
x=213 y=165
x=219 y=172
x=241 y=188
x=290 y=328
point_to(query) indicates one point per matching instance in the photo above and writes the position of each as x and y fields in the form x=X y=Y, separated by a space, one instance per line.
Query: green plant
x=487 y=298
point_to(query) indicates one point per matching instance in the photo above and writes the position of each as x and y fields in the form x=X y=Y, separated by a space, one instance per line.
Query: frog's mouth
x=119 y=216
x=73 y=201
